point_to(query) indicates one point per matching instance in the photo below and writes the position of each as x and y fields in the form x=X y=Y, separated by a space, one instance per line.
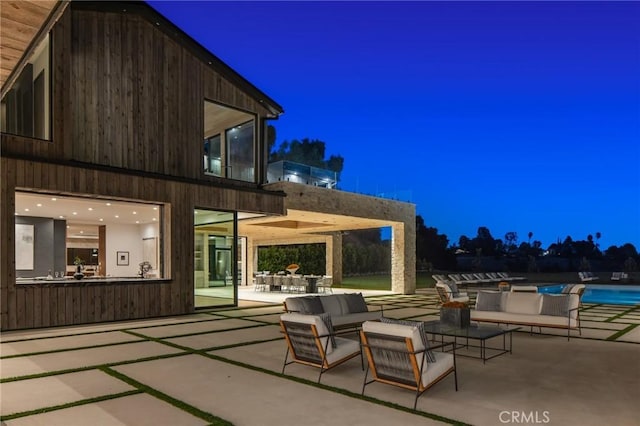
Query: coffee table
x=475 y=331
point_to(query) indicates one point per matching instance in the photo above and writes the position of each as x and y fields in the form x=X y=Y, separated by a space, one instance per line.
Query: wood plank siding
x=44 y=305
x=127 y=123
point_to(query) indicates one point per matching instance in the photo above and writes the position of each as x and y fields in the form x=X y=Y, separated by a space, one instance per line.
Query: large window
x=109 y=239
x=215 y=273
x=229 y=143
x=25 y=108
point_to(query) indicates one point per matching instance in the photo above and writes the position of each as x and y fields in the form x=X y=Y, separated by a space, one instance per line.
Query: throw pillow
x=489 y=301
x=454 y=289
x=431 y=358
x=356 y=303
x=326 y=319
x=555 y=304
x=567 y=288
x=310 y=305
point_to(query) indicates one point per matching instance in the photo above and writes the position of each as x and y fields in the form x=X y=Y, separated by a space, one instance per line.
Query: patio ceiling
x=20 y=21
x=297 y=223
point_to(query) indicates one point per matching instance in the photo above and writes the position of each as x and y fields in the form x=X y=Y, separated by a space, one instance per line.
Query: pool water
x=609 y=294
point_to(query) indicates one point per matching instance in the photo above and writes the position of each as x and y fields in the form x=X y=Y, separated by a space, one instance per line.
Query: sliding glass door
x=214 y=256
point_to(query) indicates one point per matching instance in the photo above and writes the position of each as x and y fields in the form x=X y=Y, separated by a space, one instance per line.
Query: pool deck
x=223 y=367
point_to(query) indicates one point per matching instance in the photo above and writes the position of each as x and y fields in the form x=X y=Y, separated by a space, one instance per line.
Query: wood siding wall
x=28 y=306
x=127 y=95
x=127 y=123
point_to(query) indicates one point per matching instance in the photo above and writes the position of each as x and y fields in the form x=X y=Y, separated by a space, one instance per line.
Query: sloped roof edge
x=169 y=28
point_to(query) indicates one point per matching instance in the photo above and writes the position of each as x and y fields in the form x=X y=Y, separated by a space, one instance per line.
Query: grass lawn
x=382 y=282
x=424 y=280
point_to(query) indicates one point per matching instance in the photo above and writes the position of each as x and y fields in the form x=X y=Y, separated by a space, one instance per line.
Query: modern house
x=132 y=155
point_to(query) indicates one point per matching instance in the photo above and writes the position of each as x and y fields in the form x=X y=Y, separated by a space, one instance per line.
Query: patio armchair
x=311 y=341
x=397 y=355
x=446 y=294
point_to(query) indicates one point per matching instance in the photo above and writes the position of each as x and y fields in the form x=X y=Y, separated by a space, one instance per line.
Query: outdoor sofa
x=530 y=309
x=347 y=310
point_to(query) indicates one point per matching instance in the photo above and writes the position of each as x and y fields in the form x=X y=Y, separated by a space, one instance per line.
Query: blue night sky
x=517 y=116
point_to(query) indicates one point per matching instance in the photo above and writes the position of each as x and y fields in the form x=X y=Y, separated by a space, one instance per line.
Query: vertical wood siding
x=27 y=306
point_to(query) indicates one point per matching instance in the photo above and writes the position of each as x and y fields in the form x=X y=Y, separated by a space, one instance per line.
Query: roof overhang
x=21 y=24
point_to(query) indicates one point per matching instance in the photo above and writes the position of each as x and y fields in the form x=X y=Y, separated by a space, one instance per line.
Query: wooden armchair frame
x=405 y=371
x=306 y=346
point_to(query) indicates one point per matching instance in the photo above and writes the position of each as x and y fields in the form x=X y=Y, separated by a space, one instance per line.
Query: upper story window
x=26 y=106
x=229 y=143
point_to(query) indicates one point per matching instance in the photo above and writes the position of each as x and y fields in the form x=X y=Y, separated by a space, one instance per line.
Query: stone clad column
x=403 y=258
x=252 y=260
x=334 y=256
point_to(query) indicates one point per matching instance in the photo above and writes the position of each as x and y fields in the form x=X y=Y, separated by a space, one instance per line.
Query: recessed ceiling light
x=137 y=221
x=75 y=213
x=26 y=210
x=90 y=209
x=154 y=219
x=155 y=208
x=17 y=214
x=54 y=199
x=117 y=216
x=39 y=205
x=61 y=217
x=101 y=219
x=82 y=232
x=135 y=212
x=108 y=204
x=68 y=227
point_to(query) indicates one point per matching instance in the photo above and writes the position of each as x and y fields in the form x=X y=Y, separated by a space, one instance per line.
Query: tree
x=511 y=241
x=431 y=247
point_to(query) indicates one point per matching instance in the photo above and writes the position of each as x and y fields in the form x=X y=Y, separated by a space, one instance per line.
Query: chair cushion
x=423 y=334
x=311 y=319
x=489 y=300
x=555 y=304
x=356 y=303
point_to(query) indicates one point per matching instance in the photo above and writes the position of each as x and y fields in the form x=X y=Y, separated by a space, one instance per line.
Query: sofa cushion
x=555 y=304
x=489 y=300
x=335 y=304
x=353 y=320
x=523 y=303
x=356 y=303
x=294 y=304
x=311 y=305
x=423 y=334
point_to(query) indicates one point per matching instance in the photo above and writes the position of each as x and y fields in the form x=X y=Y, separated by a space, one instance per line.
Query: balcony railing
x=288 y=171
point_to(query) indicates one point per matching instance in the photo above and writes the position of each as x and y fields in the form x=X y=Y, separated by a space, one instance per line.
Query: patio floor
x=223 y=367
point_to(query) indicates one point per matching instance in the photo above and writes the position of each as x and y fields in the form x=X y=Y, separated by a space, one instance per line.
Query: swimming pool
x=609 y=294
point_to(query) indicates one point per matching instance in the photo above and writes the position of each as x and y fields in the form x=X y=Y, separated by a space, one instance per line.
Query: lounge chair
x=481 y=277
x=440 y=278
x=506 y=277
x=312 y=342
x=397 y=355
x=587 y=276
x=469 y=279
x=619 y=276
